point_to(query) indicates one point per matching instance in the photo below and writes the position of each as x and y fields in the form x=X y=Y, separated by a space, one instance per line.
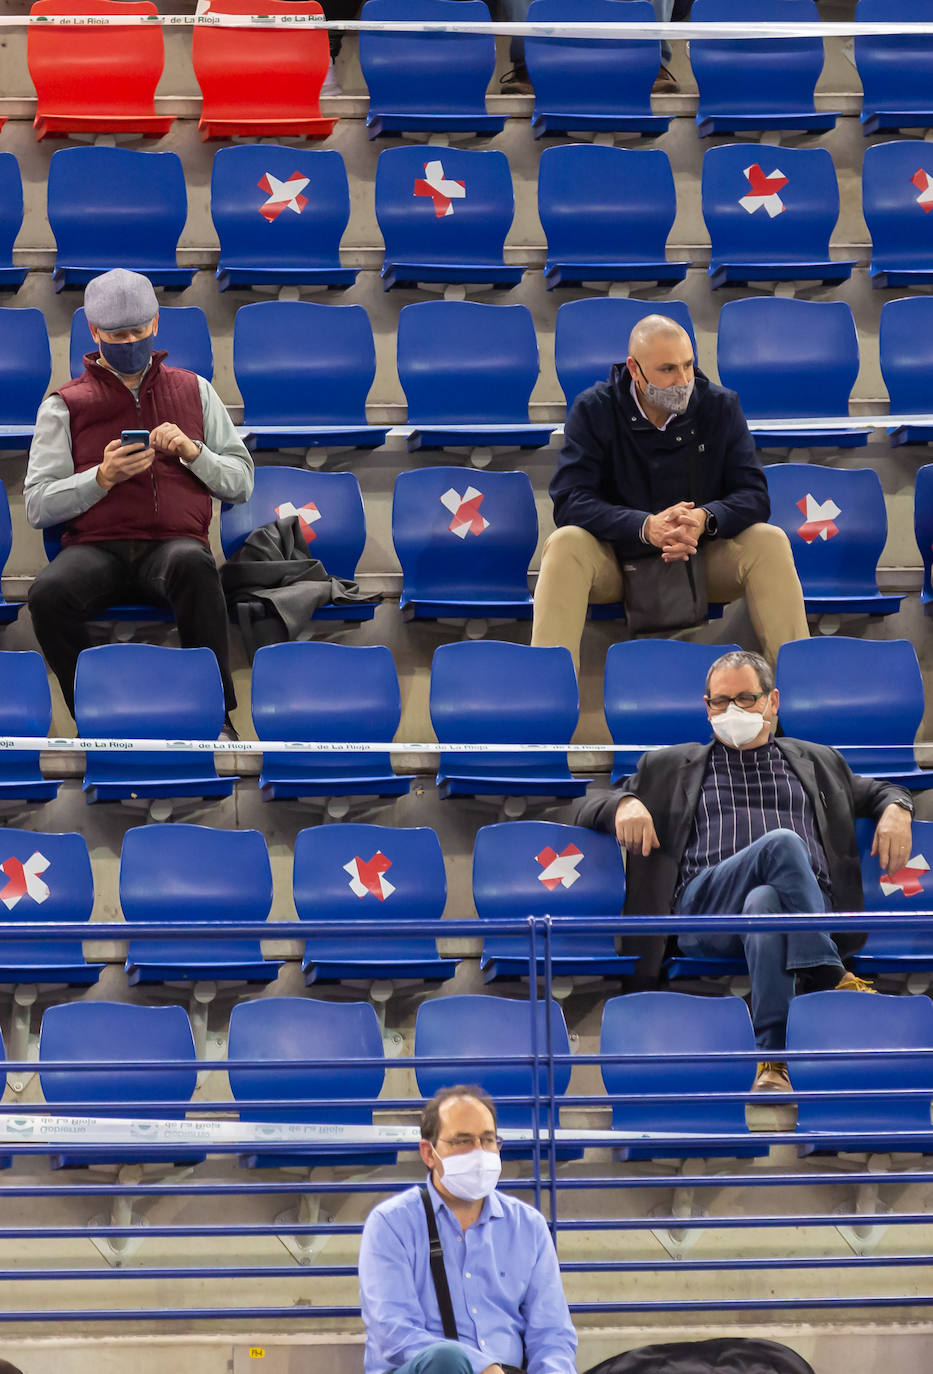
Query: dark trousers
x=85 y=578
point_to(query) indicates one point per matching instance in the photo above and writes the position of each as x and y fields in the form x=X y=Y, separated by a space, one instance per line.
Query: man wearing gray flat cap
x=135 y=516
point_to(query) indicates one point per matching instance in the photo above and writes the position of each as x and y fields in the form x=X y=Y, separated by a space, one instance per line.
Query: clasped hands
x=676 y=531
x=121 y=462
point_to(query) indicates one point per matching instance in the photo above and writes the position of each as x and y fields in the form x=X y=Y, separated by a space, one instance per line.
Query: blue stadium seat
x=314 y=690
x=908 y=890
x=897 y=197
x=444 y=214
x=464 y=543
x=895 y=71
x=300 y=1028
x=25 y=711
x=539 y=868
x=428 y=81
x=147 y=691
x=351 y=873
x=11 y=219
x=45 y=878
x=195 y=873
x=923 y=531
x=121 y=1034
x=9 y=610
x=5 y=1160
x=863 y=697
x=905 y=340
x=329 y=507
x=771 y=222
x=757 y=84
x=852 y=1021
x=92 y=237
x=25 y=370
x=791 y=360
x=665 y=1023
x=304 y=371
x=653 y=694
x=489 y=692
x=484 y=1028
x=280 y=214
x=591 y=335
x=837 y=525
x=600 y=83
x=607 y=214
x=468 y=371
x=183 y=332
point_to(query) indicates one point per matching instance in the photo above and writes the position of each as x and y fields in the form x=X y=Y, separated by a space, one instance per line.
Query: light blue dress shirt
x=504 y=1285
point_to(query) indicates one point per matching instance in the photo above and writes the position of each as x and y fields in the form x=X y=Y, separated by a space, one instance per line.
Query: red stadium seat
x=96 y=80
x=264 y=83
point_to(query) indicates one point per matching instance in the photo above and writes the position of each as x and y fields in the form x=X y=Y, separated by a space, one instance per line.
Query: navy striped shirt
x=745 y=794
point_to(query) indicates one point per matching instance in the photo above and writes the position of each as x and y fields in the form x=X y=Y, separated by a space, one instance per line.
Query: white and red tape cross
x=440 y=188
x=763 y=191
x=907 y=880
x=368 y=876
x=559 y=870
x=819 y=522
x=283 y=195
x=307 y=514
x=465 y=511
x=23 y=880
x=924 y=184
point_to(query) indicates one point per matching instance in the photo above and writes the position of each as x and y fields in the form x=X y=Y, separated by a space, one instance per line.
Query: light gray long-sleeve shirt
x=55 y=493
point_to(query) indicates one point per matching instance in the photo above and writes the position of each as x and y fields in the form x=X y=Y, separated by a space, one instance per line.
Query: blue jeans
x=443 y=1357
x=771 y=875
x=663 y=9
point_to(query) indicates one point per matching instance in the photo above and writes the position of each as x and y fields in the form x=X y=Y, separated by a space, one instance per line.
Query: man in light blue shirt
x=501 y=1264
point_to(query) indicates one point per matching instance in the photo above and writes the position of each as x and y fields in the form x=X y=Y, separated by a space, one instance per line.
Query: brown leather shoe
x=772 y=1077
x=516 y=81
x=664 y=83
x=850 y=982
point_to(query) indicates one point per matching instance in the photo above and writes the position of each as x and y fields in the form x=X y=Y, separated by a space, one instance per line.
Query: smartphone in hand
x=135 y=436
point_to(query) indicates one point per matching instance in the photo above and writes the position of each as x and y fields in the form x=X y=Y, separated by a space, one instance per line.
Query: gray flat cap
x=120 y=300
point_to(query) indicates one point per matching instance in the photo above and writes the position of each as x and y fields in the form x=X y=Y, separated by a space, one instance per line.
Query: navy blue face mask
x=127 y=358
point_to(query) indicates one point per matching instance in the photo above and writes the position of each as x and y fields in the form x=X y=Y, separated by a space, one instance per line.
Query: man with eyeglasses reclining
x=498 y=1276
x=752 y=824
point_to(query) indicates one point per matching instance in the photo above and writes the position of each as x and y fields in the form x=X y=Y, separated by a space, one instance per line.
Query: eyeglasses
x=487 y=1141
x=744 y=699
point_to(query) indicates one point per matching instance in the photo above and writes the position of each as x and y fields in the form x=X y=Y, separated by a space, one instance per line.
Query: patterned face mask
x=672 y=398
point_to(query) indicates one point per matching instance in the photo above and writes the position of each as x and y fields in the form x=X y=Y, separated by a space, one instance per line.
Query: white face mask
x=471 y=1176
x=737 y=727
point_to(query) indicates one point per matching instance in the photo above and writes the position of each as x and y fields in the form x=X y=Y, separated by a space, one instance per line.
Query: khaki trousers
x=577 y=569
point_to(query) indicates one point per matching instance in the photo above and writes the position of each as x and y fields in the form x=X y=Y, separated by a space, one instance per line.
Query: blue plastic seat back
x=96 y=228
x=328 y=505
x=350 y=872
x=11 y=206
x=923 y=524
x=905 y=340
x=836 y=523
x=664 y=1023
x=464 y=537
x=123 y=1034
x=755 y=76
x=44 y=878
x=765 y=204
x=6 y=530
x=592 y=334
x=653 y=694
x=427 y=73
x=25 y=364
x=183 y=331
x=490 y=692
x=852 y=1021
x=25 y=710
x=599 y=204
x=302 y=1028
x=853 y=692
x=264 y=218
x=787 y=358
x=906 y=890
x=461 y=362
x=444 y=205
x=300 y=363
x=183 y=873
x=315 y=690
x=592 y=76
x=897 y=200
x=895 y=71
x=486 y=1028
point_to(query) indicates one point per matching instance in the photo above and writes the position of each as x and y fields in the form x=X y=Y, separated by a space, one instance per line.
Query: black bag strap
x=438 y=1272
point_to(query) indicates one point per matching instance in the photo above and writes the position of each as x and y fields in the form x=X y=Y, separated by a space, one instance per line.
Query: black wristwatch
x=712 y=524
x=905 y=805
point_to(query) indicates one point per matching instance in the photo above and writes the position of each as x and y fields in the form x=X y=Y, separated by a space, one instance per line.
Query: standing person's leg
x=336 y=9
x=515 y=81
x=82 y=579
x=759 y=565
x=576 y=568
x=664 y=82
x=183 y=573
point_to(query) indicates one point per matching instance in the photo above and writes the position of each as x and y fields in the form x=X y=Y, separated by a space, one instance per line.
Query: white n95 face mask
x=737 y=727
x=471 y=1176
